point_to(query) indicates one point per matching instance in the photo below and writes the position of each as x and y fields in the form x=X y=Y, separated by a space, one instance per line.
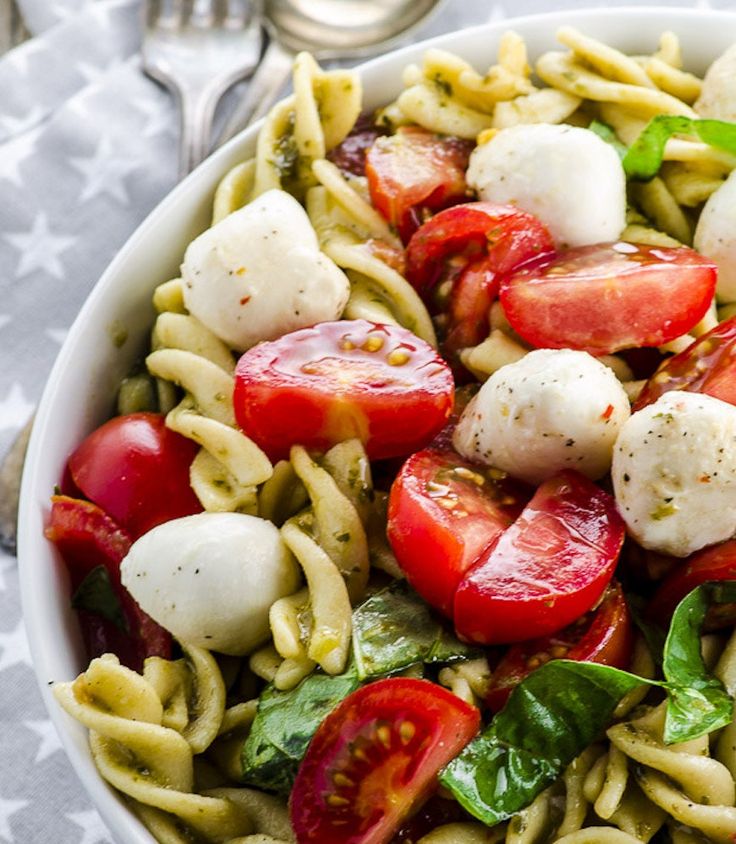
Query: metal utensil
x=198 y=50
x=329 y=29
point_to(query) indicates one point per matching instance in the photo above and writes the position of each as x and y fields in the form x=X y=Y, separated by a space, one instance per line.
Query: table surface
x=49 y=262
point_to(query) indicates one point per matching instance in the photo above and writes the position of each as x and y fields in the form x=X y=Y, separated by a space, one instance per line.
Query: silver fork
x=198 y=49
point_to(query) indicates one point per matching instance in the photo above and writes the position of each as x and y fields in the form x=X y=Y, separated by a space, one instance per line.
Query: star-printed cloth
x=86 y=146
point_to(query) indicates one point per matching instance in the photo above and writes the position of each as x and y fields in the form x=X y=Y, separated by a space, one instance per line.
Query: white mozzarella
x=210 y=579
x=715 y=236
x=554 y=409
x=259 y=274
x=717 y=99
x=674 y=473
x=568 y=177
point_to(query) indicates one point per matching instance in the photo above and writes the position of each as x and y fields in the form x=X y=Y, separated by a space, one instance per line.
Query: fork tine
x=240 y=12
x=202 y=13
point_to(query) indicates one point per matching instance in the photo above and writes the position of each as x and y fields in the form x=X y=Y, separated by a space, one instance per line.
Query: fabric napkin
x=87 y=149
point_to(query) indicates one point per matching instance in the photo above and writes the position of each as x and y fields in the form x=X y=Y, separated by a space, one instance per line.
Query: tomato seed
x=384 y=735
x=407 y=730
x=398 y=357
x=342 y=780
x=336 y=801
x=373 y=343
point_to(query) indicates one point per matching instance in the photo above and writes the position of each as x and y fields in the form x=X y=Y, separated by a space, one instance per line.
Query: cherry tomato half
x=604 y=635
x=443 y=512
x=350 y=378
x=349 y=155
x=715 y=563
x=470 y=246
x=86 y=538
x=607 y=297
x=414 y=170
x=137 y=470
x=707 y=366
x=374 y=760
x=547 y=569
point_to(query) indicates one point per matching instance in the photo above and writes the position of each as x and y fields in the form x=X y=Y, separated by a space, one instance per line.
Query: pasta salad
x=415 y=523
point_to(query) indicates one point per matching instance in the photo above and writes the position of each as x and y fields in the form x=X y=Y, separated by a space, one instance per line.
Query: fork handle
x=196 y=111
x=263 y=90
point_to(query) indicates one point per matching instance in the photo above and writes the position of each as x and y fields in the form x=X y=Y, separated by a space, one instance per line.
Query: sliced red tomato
x=87 y=538
x=715 y=563
x=443 y=512
x=137 y=470
x=609 y=296
x=707 y=366
x=456 y=259
x=351 y=378
x=414 y=171
x=604 y=635
x=375 y=759
x=547 y=569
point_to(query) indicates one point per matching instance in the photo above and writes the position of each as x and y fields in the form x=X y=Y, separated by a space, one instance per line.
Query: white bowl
x=80 y=391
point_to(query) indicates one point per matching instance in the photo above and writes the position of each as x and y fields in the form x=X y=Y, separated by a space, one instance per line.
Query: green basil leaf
x=551 y=716
x=395 y=628
x=284 y=726
x=698 y=703
x=644 y=157
x=606 y=133
x=95 y=594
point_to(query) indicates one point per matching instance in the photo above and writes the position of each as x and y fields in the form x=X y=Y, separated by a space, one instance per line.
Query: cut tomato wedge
x=137 y=471
x=456 y=259
x=607 y=297
x=604 y=635
x=414 y=171
x=87 y=538
x=715 y=563
x=351 y=378
x=547 y=569
x=443 y=513
x=375 y=759
x=707 y=366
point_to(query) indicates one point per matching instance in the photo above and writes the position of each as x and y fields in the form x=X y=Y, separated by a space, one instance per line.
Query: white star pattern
x=19 y=55
x=104 y=172
x=12 y=126
x=7 y=809
x=40 y=248
x=498 y=13
x=58 y=335
x=94 y=830
x=50 y=741
x=15 y=152
x=159 y=117
x=92 y=73
x=15 y=409
x=14 y=649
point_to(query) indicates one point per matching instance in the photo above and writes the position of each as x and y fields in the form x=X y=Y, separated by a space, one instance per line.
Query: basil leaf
x=395 y=628
x=551 y=716
x=698 y=703
x=644 y=157
x=284 y=726
x=96 y=594
x=606 y=133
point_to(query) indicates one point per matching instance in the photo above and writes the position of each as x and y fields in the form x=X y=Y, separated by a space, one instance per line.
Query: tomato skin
x=605 y=636
x=137 y=471
x=350 y=155
x=443 y=512
x=415 y=170
x=471 y=246
x=711 y=564
x=374 y=760
x=87 y=537
x=547 y=569
x=322 y=385
x=608 y=297
x=707 y=366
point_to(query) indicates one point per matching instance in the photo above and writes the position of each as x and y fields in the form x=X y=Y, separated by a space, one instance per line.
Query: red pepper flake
x=704 y=479
x=245 y=300
x=607 y=412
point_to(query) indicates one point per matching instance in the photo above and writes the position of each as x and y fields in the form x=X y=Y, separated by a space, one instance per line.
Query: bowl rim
x=44 y=650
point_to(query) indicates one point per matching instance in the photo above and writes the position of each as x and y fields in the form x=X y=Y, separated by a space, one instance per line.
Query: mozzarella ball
x=715 y=236
x=717 y=98
x=568 y=177
x=554 y=409
x=210 y=579
x=259 y=274
x=674 y=473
